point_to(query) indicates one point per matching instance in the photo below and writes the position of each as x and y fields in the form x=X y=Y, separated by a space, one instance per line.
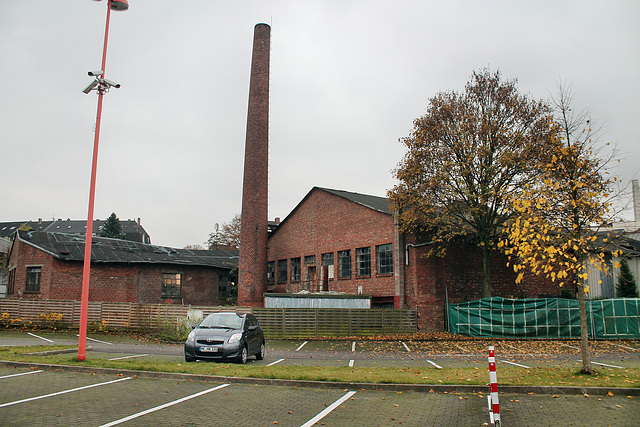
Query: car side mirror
x=193 y=326
x=252 y=328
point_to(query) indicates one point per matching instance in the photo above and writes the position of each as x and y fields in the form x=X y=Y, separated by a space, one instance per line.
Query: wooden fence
x=331 y=322
x=276 y=322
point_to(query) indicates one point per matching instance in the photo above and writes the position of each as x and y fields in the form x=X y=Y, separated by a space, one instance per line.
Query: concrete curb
x=52 y=352
x=423 y=388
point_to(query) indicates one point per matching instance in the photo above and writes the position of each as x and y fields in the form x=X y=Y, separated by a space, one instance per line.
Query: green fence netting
x=544 y=318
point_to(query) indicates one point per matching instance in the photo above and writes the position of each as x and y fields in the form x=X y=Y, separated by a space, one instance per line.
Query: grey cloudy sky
x=347 y=80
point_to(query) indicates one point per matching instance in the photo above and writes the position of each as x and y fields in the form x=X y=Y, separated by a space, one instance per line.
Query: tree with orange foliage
x=466 y=158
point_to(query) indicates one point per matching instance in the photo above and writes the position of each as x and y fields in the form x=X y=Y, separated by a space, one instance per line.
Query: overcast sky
x=347 y=80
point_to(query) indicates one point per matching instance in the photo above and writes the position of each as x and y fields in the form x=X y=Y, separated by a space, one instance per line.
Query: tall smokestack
x=252 y=271
x=635 y=189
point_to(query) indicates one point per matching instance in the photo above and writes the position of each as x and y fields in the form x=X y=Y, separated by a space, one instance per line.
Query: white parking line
x=353 y=347
x=277 y=361
x=129 y=357
x=328 y=410
x=608 y=366
x=351 y=362
x=17 y=375
x=93 y=339
x=301 y=345
x=570 y=346
x=63 y=392
x=38 y=336
x=435 y=364
x=405 y=345
x=624 y=346
x=516 y=364
x=166 y=405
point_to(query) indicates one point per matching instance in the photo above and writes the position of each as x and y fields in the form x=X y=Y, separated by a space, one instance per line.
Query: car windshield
x=222 y=320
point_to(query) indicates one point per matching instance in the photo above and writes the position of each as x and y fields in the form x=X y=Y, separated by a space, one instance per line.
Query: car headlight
x=191 y=335
x=235 y=338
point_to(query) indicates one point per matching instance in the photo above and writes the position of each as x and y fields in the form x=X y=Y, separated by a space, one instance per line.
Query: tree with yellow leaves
x=555 y=232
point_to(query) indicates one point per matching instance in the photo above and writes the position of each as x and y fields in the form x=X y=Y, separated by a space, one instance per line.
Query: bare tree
x=227 y=234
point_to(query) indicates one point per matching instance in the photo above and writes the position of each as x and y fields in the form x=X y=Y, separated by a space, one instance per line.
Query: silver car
x=225 y=336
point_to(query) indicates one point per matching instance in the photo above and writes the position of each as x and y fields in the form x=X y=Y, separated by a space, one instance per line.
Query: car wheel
x=188 y=358
x=260 y=354
x=243 y=356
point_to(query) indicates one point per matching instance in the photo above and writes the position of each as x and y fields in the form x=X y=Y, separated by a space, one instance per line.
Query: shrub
x=96 y=326
x=174 y=332
x=6 y=321
x=51 y=320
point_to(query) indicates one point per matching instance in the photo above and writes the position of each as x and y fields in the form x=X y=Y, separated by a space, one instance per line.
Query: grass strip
x=540 y=376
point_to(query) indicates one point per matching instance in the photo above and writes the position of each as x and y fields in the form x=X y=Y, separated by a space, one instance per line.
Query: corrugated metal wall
x=315 y=301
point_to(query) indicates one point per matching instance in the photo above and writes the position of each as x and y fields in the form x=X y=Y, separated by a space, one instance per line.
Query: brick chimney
x=635 y=190
x=252 y=271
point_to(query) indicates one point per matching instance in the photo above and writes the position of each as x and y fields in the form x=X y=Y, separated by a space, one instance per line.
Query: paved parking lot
x=47 y=398
x=30 y=397
x=450 y=354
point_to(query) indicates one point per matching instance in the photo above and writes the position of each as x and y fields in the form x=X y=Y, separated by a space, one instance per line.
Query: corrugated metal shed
x=316 y=300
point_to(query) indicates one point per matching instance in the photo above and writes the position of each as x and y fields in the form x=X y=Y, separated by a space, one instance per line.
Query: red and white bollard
x=494 y=404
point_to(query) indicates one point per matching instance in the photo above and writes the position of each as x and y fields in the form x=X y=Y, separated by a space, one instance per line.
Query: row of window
x=283 y=270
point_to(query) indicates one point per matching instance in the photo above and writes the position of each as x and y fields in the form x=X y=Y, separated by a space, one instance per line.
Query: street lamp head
x=118 y=4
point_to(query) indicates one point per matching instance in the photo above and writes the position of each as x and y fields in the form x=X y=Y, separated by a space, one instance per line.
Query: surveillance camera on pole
x=109 y=83
x=90 y=87
x=102 y=85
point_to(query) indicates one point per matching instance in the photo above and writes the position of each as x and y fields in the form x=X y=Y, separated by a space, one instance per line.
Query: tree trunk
x=584 y=331
x=486 y=271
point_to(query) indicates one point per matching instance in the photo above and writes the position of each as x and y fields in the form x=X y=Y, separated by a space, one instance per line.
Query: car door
x=252 y=334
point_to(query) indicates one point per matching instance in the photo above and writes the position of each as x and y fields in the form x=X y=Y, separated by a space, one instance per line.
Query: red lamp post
x=102 y=86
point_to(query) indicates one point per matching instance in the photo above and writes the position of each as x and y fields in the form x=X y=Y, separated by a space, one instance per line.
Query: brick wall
x=326 y=223
x=459 y=273
x=23 y=256
x=111 y=281
x=199 y=286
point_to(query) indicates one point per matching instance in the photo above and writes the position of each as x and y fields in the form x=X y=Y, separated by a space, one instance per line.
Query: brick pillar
x=399 y=269
x=252 y=271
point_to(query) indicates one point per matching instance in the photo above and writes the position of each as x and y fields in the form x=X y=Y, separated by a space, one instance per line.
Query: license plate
x=209 y=349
